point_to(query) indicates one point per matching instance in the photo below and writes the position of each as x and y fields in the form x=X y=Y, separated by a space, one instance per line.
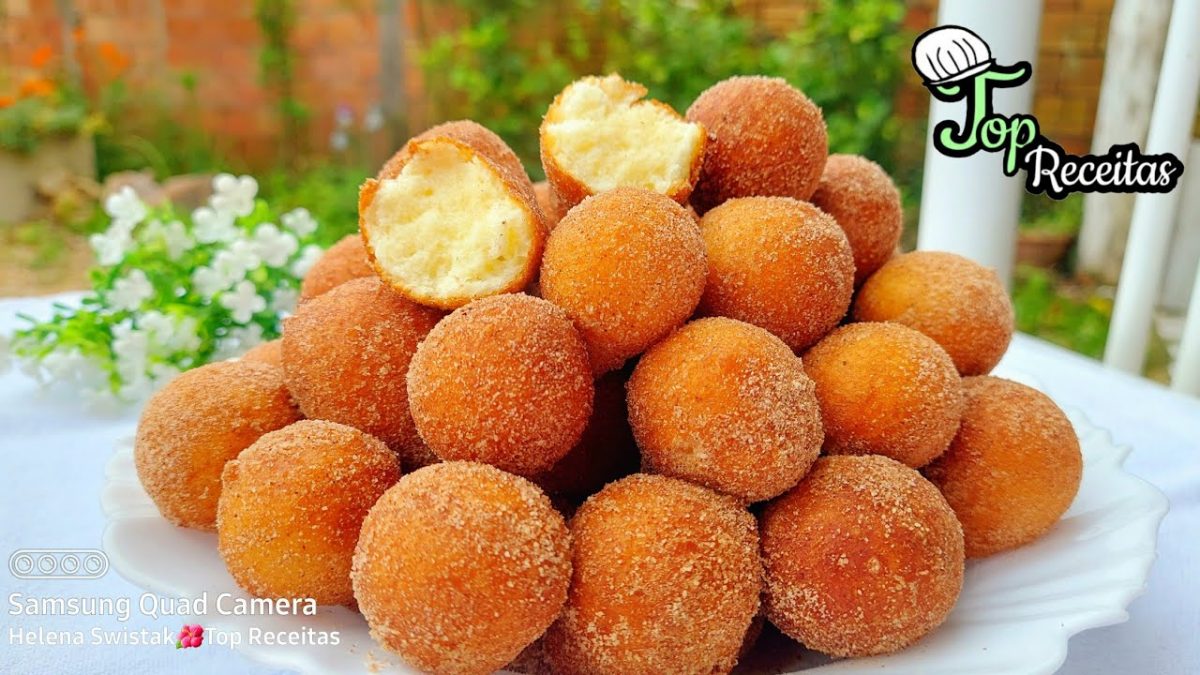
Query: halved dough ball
x=345 y=260
x=956 y=301
x=666 y=579
x=292 y=506
x=727 y=405
x=599 y=134
x=628 y=266
x=780 y=264
x=1012 y=470
x=863 y=557
x=451 y=226
x=765 y=138
x=504 y=380
x=864 y=201
x=195 y=424
x=479 y=137
x=885 y=389
x=345 y=354
x=460 y=566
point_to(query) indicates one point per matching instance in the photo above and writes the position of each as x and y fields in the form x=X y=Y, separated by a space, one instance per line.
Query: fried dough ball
x=628 y=266
x=345 y=355
x=863 y=557
x=864 y=201
x=270 y=353
x=959 y=303
x=765 y=138
x=1012 y=470
x=666 y=579
x=545 y=200
x=780 y=264
x=504 y=380
x=727 y=405
x=885 y=389
x=195 y=424
x=599 y=134
x=451 y=225
x=345 y=260
x=292 y=505
x=472 y=133
x=605 y=451
x=460 y=566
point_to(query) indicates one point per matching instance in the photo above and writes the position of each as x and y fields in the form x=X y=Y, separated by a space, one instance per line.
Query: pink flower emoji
x=191 y=635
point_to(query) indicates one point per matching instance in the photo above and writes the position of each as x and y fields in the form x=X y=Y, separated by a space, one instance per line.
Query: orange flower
x=79 y=34
x=116 y=59
x=5 y=101
x=37 y=86
x=41 y=56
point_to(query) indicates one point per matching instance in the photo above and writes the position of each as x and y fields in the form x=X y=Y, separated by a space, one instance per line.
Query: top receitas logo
x=957 y=64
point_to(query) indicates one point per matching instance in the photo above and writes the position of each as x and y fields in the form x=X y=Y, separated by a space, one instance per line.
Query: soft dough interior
x=448 y=226
x=605 y=137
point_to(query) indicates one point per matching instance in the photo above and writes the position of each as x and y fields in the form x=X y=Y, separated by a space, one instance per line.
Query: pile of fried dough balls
x=697 y=341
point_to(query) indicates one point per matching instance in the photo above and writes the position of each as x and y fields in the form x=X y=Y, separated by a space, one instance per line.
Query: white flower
x=176 y=238
x=130 y=291
x=243 y=301
x=234 y=262
x=284 y=300
x=339 y=140
x=299 y=221
x=131 y=347
x=169 y=334
x=212 y=225
x=273 y=246
x=234 y=194
x=124 y=205
x=162 y=373
x=343 y=116
x=208 y=282
x=112 y=245
x=237 y=341
x=308 y=257
x=373 y=120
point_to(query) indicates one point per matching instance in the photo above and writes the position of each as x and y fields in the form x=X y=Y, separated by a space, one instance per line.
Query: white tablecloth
x=52 y=457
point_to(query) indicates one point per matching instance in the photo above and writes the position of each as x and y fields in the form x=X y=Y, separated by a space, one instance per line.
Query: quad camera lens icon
x=58 y=563
x=950 y=54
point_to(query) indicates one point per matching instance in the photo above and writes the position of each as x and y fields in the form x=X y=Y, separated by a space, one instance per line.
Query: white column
x=1187 y=366
x=968 y=205
x=1153 y=214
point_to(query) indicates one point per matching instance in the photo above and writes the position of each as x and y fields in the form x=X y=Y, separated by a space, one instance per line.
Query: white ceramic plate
x=1016 y=612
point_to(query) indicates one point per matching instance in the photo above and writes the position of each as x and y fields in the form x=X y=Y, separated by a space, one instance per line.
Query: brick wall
x=337 y=48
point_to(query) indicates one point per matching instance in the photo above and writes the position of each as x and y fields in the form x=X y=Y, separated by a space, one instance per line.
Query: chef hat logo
x=949 y=54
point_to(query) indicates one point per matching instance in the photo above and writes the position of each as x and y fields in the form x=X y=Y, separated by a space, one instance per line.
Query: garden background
x=311 y=95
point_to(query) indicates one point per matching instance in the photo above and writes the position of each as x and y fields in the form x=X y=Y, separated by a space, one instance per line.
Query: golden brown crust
x=504 y=380
x=545 y=199
x=484 y=140
x=885 y=389
x=864 y=201
x=518 y=186
x=628 y=266
x=605 y=452
x=345 y=354
x=727 y=405
x=270 y=353
x=460 y=566
x=765 y=138
x=959 y=303
x=292 y=505
x=863 y=557
x=569 y=190
x=1013 y=468
x=666 y=579
x=345 y=260
x=778 y=263
x=197 y=423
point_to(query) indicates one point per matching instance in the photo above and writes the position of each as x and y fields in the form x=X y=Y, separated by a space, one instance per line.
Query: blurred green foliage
x=1040 y=213
x=508 y=60
x=1073 y=318
x=27 y=122
x=328 y=191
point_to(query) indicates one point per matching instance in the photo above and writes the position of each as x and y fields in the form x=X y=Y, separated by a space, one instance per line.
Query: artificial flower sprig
x=172 y=292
